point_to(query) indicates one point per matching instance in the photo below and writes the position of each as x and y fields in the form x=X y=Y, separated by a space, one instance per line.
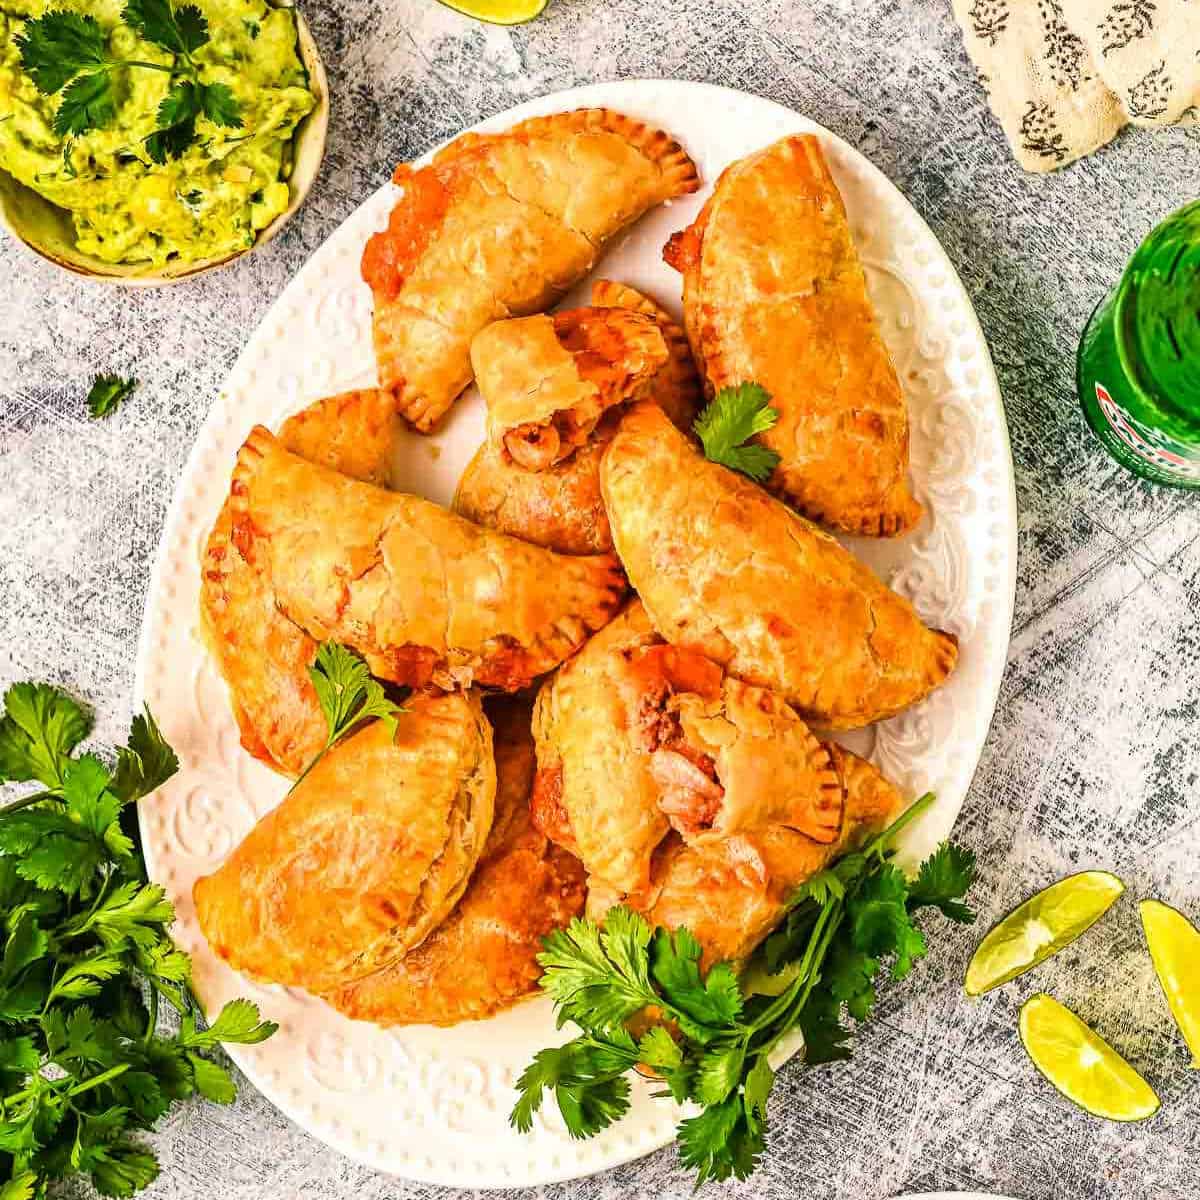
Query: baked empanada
x=774 y=294
x=548 y=380
x=728 y=571
x=425 y=596
x=262 y=654
x=561 y=508
x=732 y=892
x=501 y=225
x=634 y=736
x=483 y=957
x=364 y=857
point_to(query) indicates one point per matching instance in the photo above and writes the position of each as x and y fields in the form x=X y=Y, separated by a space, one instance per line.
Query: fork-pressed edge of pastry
x=501 y=225
x=775 y=294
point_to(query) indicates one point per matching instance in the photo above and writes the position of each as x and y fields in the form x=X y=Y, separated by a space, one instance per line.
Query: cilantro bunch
x=86 y=960
x=66 y=52
x=726 y=426
x=713 y=1034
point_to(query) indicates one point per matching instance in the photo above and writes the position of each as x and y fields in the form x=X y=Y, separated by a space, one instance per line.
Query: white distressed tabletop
x=1092 y=759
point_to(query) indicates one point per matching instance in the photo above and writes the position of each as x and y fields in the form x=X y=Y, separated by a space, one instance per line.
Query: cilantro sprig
x=348 y=695
x=713 y=1034
x=725 y=427
x=66 y=53
x=86 y=959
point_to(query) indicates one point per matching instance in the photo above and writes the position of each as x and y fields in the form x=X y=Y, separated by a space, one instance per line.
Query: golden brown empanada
x=425 y=596
x=364 y=857
x=548 y=380
x=483 y=957
x=728 y=571
x=262 y=654
x=774 y=294
x=561 y=508
x=732 y=892
x=634 y=735
x=501 y=225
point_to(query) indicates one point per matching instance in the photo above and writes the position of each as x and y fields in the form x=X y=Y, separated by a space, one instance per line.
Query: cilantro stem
x=152 y=1023
x=881 y=840
x=27 y=801
x=137 y=62
x=97 y=1080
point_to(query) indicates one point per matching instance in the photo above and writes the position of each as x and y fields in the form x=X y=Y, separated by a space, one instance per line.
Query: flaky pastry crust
x=366 y=854
x=501 y=225
x=730 y=572
x=424 y=595
x=774 y=294
x=483 y=957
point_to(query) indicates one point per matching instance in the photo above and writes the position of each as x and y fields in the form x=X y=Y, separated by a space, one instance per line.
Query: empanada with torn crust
x=262 y=654
x=732 y=892
x=548 y=381
x=561 y=507
x=483 y=957
x=502 y=225
x=635 y=737
x=366 y=854
x=774 y=294
x=423 y=595
x=730 y=572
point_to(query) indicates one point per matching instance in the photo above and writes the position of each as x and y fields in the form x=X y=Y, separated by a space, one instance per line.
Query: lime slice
x=1081 y=1064
x=499 y=12
x=1175 y=948
x=1040 y=927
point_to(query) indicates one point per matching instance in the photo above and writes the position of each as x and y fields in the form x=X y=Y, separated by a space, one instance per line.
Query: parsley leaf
x=347 y=695
x=88 y=102
x=181 y=31
x=220 y=106
x=107 y=392
x=735 y=415
x=83 y=1068
x=944 y=879
x=57 y=46
x=176 y=123
x=710 y=1033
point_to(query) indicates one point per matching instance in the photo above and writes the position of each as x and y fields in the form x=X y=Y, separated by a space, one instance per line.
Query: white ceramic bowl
x=48 y=230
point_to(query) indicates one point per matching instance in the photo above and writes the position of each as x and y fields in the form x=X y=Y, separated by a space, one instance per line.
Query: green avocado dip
x=212 y=200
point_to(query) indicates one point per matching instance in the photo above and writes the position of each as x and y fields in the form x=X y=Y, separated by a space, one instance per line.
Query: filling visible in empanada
x=364 y=857
x=483 y=957
x=548 y=380
x=501 y=225
x=561 y=507
x=774 y=294
x=262 y=654
x=726 y=570
x=425 y=596
x=731 y=892
x=635 y=735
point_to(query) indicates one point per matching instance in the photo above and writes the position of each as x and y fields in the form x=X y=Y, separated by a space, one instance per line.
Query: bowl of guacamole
x=144 y=141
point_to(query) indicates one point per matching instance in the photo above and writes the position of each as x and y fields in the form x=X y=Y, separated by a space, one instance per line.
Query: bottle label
x=1164 y=454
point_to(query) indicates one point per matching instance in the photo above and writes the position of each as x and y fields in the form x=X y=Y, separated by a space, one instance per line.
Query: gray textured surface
x=1092 y=757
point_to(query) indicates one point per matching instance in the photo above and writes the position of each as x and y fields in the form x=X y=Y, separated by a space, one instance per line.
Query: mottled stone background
x=1092 y=757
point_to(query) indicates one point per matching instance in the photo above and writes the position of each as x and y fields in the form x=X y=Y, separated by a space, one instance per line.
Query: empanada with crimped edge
x=483 y=957
x=635 y=736
x=262 y=654
x=774 y=294
x=425 y=596
x=732 y=892
x=561 y=507
x=730 y=572
x=502 y=225
x=364 y=857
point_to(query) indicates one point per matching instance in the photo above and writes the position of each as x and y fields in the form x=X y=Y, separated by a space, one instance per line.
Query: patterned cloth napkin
x=1063 y=76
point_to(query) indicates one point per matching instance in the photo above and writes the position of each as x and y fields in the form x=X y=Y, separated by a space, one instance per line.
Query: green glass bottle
x=1139 y=360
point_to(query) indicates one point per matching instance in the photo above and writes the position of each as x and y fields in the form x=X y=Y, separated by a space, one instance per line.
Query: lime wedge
x=1175 y=948
x=1040 y=927
x=499 y=12
x=1081 y=1064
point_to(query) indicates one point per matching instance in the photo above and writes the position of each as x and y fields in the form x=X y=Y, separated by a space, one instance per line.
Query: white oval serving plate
x=432 y=1104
